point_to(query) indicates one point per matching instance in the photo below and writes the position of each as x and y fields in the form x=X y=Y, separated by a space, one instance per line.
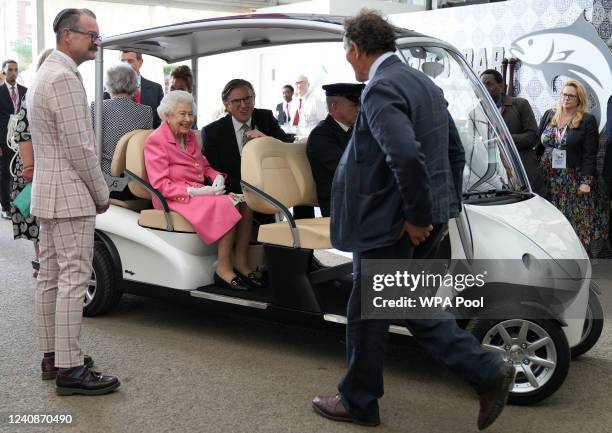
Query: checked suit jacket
x=68 y=180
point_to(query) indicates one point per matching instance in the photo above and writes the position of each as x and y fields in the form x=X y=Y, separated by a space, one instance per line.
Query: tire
x=553 y=357
x=593 y=326
x=102 y=293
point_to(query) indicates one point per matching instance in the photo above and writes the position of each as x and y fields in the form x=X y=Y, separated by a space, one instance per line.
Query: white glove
x=205 y=190
x=219 y=181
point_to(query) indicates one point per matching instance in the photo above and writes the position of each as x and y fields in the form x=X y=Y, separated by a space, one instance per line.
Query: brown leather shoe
x=493 y=401
x=89 y=383
x=49 y=370
x=331 y=407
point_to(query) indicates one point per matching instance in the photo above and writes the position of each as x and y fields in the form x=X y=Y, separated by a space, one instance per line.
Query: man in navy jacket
x=398 y=183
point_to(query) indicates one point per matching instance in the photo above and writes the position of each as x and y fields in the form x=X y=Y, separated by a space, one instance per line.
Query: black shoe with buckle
x=88 y=383
x=49 y=370
x=235 y=284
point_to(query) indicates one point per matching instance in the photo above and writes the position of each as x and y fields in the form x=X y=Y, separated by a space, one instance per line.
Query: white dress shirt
x=312 y=110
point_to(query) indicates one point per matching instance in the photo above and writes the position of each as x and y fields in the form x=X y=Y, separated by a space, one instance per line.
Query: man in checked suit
x=68 y=191
x=398 y=183
x=10 y=102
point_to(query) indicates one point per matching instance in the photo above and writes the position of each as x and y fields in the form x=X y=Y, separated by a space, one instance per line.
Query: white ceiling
x=225 y=5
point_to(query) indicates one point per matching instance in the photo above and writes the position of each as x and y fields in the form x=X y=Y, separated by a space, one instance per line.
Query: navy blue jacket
x=326 y=144
x=404 y=162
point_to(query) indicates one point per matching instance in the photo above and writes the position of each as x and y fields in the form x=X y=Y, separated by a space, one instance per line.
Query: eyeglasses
x=92 y=35
x=247 y=101
x=568 y=96
x=300 y=82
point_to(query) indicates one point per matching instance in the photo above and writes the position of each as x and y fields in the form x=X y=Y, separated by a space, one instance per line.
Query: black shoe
x=235 y=284
x=49 y=370
x=89 y=383
x=252 y=280
x=493 y=401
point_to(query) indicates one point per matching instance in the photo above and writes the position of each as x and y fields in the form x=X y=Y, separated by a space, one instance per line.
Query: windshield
x=490 y=165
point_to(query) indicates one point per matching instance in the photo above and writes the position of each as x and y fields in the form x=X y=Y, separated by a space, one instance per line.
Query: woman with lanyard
x=568 y=154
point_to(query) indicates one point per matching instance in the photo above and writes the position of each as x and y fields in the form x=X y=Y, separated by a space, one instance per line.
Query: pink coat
x=171 y=170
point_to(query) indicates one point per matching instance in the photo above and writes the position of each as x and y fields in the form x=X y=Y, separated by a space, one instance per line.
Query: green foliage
x=24 y=53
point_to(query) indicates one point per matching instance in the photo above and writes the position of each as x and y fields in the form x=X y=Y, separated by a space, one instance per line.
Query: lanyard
x=561 y=133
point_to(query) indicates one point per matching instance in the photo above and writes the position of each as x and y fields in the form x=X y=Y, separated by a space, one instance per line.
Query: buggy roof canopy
x=194 y=39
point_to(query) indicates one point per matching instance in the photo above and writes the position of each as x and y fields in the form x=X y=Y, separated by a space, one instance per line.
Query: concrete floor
x=215 y=369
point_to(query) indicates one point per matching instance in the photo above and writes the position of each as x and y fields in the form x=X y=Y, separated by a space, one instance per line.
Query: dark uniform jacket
x=326 y=144
x=221 y=149
x=404 y=162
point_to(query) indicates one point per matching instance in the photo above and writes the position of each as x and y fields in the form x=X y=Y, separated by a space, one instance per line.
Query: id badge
x=559 y=158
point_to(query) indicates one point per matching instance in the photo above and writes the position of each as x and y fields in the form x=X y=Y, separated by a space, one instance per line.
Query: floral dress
x=23 y=227
x=588 y=213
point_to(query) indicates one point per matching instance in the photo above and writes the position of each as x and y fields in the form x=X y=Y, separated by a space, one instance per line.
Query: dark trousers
x=6 y=180
x=362 y=385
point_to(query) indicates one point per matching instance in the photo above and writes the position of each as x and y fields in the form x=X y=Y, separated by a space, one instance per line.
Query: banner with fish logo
x=554 y=39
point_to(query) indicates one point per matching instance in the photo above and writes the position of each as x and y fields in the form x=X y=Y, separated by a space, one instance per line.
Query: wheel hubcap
x=91 y=289
x=528 y=347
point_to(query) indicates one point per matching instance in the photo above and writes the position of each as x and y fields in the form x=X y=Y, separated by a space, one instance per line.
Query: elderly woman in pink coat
x=179 y=171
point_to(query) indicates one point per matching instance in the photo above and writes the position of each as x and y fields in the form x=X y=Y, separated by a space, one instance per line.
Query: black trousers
x=6 y=180
x=459 y=350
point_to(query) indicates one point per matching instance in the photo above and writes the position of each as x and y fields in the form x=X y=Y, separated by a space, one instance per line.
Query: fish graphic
x=575 y=51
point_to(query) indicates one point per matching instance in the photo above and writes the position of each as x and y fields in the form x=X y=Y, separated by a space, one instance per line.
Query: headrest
x=279 y=169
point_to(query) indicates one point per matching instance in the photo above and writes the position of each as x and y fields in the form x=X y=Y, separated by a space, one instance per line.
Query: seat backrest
x=279 y=169
x=135 y=161
x=118 y=162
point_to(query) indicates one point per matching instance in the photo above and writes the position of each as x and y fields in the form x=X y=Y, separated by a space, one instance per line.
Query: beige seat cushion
x=155 y=219
x=136 y=205
x=313 y=233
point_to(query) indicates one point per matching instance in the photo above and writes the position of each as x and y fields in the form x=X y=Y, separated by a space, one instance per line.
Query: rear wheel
x=537 y=348
x=102 y=293
x=593 y=326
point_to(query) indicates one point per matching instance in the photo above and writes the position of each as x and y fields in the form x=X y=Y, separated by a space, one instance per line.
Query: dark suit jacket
x=326 y=144
x=404 y=162
x=523 y=127
x=280 y=113
x=221 y=149
x=6 y=109
x=582 y=143
x=151 y=94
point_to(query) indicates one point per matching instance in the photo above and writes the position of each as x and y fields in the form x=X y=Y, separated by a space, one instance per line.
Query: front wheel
x=102 y=293
x=593 y=326
x=537 y=348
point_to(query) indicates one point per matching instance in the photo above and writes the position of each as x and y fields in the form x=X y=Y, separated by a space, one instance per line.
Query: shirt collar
x=342 y=125
x=66 y=58
x=378 y=62
x=238 y=125
x=8 y=86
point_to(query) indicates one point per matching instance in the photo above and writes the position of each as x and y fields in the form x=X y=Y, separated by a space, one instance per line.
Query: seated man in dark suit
x=327 y=141
x=149 y=92
x=224 y=139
